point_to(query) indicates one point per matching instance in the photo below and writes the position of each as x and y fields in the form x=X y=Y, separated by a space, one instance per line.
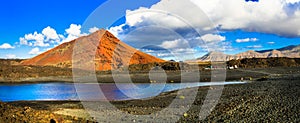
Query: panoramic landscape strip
x=149 y=61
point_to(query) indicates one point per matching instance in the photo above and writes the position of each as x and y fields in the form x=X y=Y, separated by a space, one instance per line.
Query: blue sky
x=31 y=27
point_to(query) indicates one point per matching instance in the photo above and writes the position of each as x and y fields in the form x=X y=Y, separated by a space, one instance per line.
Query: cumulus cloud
x=254 y=46
x=246 y=40
x=49 y=36
x=165 y=22
x=34 y=51
x=94 y=29
x=72 y=32
x=23 y=41
x=212 y=42
x=165 y=25
x=116 y=30
x=34 y=39
x=267 y=16
x=292 y=1
x=280 y=17
x=178 y=49
x=6 y=46
x=178 y=43
x=162 y=22
x=213 y=38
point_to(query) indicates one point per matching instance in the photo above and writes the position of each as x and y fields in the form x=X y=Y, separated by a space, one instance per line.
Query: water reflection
x=67 y=91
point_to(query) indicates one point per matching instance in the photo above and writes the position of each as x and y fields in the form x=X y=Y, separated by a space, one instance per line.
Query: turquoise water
x=68 y=91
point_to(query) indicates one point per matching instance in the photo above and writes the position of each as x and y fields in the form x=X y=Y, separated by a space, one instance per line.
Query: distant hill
x=292 y=51
x=280 y=49
x=108 y=45
x=215 y=56
x=265 y=62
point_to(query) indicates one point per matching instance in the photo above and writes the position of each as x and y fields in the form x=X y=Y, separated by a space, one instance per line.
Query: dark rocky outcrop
x=265 y=62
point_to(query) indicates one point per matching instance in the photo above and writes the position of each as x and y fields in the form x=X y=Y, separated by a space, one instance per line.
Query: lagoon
x=90 y=91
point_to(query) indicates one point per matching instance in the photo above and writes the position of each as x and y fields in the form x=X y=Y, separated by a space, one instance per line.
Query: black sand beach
x=268 y=98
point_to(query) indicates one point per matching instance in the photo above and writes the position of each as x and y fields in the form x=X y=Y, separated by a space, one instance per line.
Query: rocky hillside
x=11 y=71
x=109 y=53
x=215 y=56
x=289 y=52
x=265 y=62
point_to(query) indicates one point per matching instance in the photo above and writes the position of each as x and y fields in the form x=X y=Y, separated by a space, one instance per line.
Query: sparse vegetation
x=265 y=62
x=11 y=70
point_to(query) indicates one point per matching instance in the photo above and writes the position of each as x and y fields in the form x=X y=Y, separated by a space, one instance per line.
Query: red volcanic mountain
x=107 y=52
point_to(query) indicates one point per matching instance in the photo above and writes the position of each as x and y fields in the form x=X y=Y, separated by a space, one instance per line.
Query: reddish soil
x=108 y=52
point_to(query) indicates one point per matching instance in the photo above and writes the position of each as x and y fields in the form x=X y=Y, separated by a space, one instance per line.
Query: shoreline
x=272 y=99
x=143 y=77
x=76 y=99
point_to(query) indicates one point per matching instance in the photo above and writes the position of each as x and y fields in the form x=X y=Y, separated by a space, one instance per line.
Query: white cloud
x=213 y=38
x=178 y=43
x=246 y=40
x=68 y=38
x=6 y=46
x=266 y=16
x=212 y=42
x=72 y=32
x=34 y=39
x=116 y=30
x=161 y=18
x=50 y=34
x=144 y=16
x=10 y=56
x=254 y=46
x=166 y=14
x=38 y=37
x=94 y=29
x=34 y=51
x=271 y=42
x=292 y=1
x=23 y=41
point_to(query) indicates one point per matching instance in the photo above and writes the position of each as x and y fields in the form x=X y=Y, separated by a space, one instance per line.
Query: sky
x=168 y=29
